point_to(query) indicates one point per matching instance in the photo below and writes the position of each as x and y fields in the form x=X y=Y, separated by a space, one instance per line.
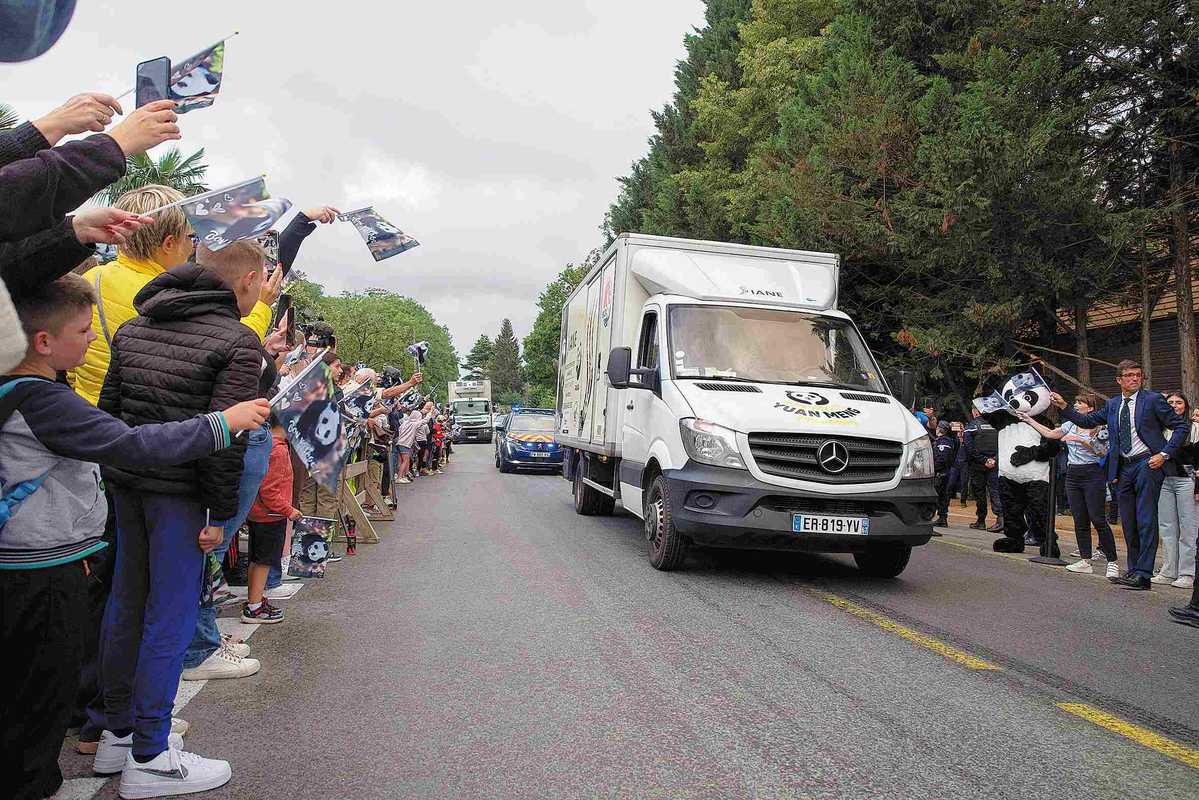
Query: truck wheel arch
x=652 y=470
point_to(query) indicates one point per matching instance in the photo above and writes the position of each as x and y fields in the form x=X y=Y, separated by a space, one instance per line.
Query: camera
x=319 y=334
x=389 y=377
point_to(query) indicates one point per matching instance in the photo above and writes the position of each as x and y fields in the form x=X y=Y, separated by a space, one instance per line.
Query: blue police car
x=527 y=441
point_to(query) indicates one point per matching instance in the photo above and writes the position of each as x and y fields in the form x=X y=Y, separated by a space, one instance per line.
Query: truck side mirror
x=907 y=388
x=619 y=362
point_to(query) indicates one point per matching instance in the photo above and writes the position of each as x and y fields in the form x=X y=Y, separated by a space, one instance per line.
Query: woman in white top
x=1177 y=509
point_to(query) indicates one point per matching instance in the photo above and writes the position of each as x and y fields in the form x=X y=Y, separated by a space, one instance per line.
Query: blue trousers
x=1137 y=491
x=151 y=613
x=207 y=637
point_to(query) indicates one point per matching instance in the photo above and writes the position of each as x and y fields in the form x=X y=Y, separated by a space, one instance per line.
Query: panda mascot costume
x=1025 y=459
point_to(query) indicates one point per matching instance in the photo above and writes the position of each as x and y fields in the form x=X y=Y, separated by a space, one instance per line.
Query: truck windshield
x=769 y=346
x=471 y=408
x=535 y=423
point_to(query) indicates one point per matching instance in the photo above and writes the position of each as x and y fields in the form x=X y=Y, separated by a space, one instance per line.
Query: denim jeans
x=207 y=637
x=1176 y=518
x=151 y=613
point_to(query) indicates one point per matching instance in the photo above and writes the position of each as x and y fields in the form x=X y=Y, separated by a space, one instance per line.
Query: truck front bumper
x=475 y=435
x=719 y=507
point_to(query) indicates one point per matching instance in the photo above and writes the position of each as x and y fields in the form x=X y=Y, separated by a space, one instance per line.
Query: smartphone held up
x=153 y=80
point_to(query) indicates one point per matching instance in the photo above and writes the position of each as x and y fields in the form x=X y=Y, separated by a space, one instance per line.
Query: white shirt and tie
x=1138 y=447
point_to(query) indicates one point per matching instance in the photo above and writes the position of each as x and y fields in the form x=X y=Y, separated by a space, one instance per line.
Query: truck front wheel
x=884 y=560
x=667 y=547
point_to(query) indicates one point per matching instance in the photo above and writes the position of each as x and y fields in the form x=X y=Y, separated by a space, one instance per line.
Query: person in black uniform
x=945 y=450
x=982 y=450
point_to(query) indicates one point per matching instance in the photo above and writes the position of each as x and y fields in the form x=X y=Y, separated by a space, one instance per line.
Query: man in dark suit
x=1136 y=421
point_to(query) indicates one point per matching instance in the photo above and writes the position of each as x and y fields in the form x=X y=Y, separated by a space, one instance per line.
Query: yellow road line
x=937 y=646
x=1142 y=736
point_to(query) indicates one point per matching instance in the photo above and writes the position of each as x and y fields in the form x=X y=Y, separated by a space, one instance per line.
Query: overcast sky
x=491 y=132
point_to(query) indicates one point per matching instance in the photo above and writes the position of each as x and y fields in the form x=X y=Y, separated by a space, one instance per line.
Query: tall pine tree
x=478 y=360
x=504 y=367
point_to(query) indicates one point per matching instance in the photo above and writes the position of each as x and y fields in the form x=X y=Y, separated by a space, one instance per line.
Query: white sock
x=254 y=606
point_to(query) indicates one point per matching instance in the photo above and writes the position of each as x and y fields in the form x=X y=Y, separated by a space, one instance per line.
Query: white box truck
x=471 y=404
x=716 y=391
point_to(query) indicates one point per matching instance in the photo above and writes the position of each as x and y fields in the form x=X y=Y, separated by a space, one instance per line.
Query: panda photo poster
x=307 y=411
x=383 y=239
x=196 y=81
x=310 y=538
x=242 y=211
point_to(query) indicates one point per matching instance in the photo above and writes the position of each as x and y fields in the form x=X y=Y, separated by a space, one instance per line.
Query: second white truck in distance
x=716 y=391
x=471 y=403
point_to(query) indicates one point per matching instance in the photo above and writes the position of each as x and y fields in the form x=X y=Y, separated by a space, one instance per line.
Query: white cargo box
x=605 y=310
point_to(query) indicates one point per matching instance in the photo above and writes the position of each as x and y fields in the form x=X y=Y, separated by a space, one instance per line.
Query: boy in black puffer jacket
x=186 y=353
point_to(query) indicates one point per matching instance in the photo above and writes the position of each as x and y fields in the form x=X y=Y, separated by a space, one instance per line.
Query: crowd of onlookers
x=1133 y=459
x=137 y=442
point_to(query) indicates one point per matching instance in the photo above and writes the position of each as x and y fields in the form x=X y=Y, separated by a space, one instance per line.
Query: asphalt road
x=496 y=645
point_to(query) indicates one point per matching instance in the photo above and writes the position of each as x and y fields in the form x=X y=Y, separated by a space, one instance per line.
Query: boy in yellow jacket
x=150 y=251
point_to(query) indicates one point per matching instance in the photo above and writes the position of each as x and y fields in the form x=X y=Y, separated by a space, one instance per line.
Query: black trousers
x=941 y=481
x=42 y=612
x=1025 y=506
x=89 y=700
x=1085 y=486
x=978 y=488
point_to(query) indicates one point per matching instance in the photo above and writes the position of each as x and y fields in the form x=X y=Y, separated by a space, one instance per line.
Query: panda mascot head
x=1031 y=399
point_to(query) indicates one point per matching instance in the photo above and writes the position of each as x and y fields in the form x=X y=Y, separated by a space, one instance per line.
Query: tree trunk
x=1146 y=320
x=1180 y=233
x=1080 y=336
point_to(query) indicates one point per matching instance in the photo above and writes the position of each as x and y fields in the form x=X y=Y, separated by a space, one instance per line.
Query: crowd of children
x=136 y=441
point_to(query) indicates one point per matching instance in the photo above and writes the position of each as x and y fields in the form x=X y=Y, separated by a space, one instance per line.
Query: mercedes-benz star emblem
x=833 y=457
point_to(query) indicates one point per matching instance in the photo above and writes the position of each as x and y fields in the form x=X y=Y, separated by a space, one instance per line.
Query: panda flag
x=1028 y=381
x=383 y=239
x=307 y=411
x=242 y=211
x=358 y=402
x=419 y=351
x=196 y=81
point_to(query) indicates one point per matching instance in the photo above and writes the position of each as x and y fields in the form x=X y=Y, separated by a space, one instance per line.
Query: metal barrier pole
x=1049 y=541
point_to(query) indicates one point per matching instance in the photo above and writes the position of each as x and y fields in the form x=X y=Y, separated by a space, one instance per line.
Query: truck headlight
x=918 y=458
x=709 y=443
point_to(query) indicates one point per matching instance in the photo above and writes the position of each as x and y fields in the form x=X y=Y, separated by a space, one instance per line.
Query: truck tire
x=590 y=502
x=667 y=547
x=883 y=560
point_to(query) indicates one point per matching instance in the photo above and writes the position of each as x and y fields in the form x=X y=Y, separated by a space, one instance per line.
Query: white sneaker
x=1113 y=569
x=237 y=647
x=403 y=480
x=222 y=664
x=172 y=772
x=278 y=593
x=1099 y=555
x=1081 y=565
x=1160 y=579
x=111 y=752
x=1075 y=554
x=1184 y=582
